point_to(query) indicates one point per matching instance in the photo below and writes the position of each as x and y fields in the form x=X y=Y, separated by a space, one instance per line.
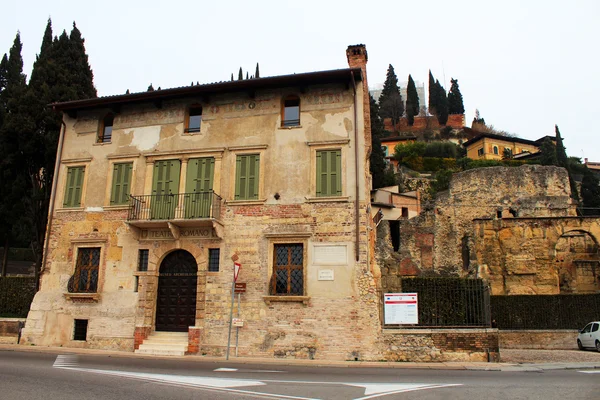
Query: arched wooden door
x=176 y=300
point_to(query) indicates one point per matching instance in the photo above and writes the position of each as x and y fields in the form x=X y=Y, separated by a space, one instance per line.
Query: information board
x=400 y=308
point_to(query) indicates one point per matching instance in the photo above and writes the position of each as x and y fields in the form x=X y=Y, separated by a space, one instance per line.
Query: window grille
x=288 y=270
x=213 y=260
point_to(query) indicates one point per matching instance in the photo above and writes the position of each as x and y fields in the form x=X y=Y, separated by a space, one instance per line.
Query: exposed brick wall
x=194 y=340
x=140 y=334
x=422 y=123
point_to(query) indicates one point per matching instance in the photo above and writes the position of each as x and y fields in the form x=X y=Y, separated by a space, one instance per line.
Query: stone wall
x=427 y=345
x=538 y=339
x=422 y=123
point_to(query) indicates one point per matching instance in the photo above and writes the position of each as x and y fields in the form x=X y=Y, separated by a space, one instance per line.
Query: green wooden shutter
x=247 y=172
x=198 y=187
x=74 y=187
x=319 y=173
x=329 y=173
x=121 y=183
x=337 y=173
x=238 y=178
x=165 y=182
x=253 y=171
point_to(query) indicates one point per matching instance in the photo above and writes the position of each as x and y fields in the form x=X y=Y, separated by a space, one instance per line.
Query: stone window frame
x=101 y=135
x=187 y=130
x=343 y=146
x=290 y=238
x=120 y=159
x=75 y=245
x=297 y=123
x=63 y=177
x=236 y=151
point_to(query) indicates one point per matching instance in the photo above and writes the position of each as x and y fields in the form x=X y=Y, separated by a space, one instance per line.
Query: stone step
x=160 y=352
x=155 y=339
x=151 y=345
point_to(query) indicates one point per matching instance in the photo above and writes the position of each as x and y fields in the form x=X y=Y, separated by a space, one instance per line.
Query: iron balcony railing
x=200 y=205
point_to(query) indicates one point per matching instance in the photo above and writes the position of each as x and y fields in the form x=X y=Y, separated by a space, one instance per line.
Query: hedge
x=16 y=295
x=560 y=311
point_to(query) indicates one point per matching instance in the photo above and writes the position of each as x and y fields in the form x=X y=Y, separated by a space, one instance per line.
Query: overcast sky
x=525 y=64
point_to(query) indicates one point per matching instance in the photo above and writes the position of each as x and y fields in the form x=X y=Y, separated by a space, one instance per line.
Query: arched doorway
x=176 y=299
x=578 y=262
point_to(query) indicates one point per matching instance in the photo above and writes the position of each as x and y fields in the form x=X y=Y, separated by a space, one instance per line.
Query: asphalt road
x=30 y=375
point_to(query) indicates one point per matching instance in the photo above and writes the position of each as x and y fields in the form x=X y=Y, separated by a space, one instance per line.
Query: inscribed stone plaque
x=331 y=255
x=325 y=275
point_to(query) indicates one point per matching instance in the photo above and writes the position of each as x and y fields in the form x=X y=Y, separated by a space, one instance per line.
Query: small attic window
x=194 y=119
x=105 y=133
x=291 y=111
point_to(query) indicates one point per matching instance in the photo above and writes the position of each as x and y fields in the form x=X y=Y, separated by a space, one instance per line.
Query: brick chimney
x=357 y=58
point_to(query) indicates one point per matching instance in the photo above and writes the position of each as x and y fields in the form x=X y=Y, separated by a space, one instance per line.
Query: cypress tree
x=381 y=174
x=455 y=99
x=442 y=104
x=561 y=153
x=150 y=88
x=11 y=161
x=390 y=101
x=247 y=75
x=412 y=101
x=548 y=150
x=433 y=97
x=257 y=73
x=240 y=75
x=590 y=194
x=231 y=77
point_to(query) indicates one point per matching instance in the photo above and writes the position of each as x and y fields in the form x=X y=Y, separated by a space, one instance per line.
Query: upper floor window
x=329 y=173
x=105 y=133
x=73 y=187
x=496 y=150
x=247 y=177
x=121 y=184
x=480 y=152
x=194 y=119
x=291 y=111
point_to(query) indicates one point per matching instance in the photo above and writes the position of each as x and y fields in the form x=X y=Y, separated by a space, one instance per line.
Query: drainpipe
x=61 y=137
x=356 y=200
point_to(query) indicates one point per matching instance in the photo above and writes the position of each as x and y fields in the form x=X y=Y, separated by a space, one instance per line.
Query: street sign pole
x=236 y=270
x=237 y=328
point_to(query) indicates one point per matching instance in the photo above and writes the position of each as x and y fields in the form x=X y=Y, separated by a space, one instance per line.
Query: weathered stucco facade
x=335 y=312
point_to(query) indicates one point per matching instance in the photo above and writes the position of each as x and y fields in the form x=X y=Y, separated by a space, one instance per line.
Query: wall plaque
x=325 y=275
x=331 y=255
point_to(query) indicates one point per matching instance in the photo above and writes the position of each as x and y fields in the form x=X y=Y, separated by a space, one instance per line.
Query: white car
x=589 y=336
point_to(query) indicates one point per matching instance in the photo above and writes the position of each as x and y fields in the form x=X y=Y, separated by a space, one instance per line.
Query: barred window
x=288 y=270
x=213 y=260
x=85 y=278
x=143 y=260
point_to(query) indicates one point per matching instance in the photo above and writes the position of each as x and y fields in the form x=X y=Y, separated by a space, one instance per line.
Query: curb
x=468 y=366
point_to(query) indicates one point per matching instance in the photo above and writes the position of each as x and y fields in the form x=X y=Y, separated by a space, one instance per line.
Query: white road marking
x=407 y=388
x=591 y=372
x=65 y=361
x=372 y=390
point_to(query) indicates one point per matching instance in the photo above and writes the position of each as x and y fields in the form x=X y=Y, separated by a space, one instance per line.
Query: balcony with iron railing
x=175 y=210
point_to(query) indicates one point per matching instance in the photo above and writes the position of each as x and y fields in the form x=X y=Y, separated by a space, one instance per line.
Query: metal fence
x=449 y=302
x=560 y=311
x=201 y=205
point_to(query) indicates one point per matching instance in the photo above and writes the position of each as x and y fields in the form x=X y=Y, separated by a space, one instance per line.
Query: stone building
x=490 y=146
x=157 y=193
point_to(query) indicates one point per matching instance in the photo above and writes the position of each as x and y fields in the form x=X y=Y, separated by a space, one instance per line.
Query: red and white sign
x=401 y=308
x=236 y=270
